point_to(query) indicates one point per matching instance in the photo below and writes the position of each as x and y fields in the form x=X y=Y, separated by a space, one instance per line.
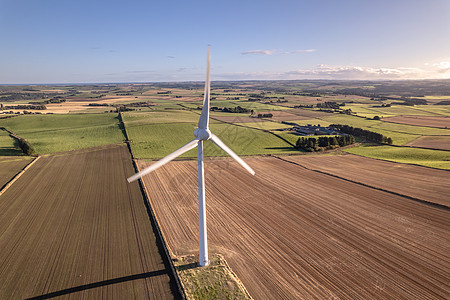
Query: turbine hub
x=202 y=134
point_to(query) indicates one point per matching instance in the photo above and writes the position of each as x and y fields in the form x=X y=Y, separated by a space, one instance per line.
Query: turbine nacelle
x=202 y=134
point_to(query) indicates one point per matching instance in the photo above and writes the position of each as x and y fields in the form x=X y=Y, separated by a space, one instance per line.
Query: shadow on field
x=188 y=266
x=121 y=126
x=9 y=151
x=292 y=149
x=100 y=284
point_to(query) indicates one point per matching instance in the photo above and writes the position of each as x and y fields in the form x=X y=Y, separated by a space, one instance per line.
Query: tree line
x=25 y=106
x=21 y=142
x=25 y=146
x=368 y=135
x=236 y=109
x=323 y=143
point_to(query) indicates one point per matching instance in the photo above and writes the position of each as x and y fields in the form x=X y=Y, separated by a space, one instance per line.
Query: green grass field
x=400 y=133
x=424 y=157
x=158 y=140
x=292 y=138
x=166 y=116
x=256 y=106
x=7 y=145
x=56 y=133
x=248 y=141
x=265 y=125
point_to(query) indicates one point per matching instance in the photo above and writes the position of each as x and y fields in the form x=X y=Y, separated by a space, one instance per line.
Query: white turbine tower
x=202 y=133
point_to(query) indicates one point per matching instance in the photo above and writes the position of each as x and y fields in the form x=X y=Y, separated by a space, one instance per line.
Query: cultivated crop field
x=333 y=225
x=439 y=159
x=72 y=226
x=426 y=184
x=432 y=142
x=439 y=122
x=290 y=232
x=10 y=166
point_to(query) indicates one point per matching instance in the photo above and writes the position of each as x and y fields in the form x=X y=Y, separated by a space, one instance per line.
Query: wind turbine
x=202 y=133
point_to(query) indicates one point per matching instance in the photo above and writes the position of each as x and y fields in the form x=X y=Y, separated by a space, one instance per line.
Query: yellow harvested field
x=81 y=104
x=293 y=233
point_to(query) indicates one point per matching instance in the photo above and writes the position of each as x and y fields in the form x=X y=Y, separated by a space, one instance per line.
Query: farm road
x=72 y=226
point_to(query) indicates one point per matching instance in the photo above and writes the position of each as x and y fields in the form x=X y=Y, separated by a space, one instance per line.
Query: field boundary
x=176 y=285
x=263 y=130
x=432 y=204
x=403 y=132
x=416 y=147
x=428 y=126
x=401 y=146
x=240 y=125
x=17 y=176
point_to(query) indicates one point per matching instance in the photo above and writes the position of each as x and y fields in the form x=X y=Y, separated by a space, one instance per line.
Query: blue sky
x=59 y=41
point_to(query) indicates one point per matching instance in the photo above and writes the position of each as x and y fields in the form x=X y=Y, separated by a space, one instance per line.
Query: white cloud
x=336 y=72
x=265 y=52
x=271 y=52
x=443 y=66
x=303 y=51
x=358 y=72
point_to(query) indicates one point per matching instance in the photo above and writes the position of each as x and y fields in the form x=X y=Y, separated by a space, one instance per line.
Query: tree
x=25 y=146
x=332 y=141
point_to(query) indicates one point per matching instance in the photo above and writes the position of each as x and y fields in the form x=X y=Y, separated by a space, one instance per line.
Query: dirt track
x=73 y=226
x=293 y=233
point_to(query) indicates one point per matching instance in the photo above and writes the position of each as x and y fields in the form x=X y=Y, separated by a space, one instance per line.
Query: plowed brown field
x=439 y=122
x=433 y=142
x=291 y=233
x=431 y=185
x=10 y=166
x=72 y=226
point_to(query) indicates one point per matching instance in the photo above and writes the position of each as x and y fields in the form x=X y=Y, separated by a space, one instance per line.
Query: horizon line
x=237 y=80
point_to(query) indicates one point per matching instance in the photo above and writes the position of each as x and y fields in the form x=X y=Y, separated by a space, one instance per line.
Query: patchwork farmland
x=79 y=230
x=290 y=232
x=308 y=225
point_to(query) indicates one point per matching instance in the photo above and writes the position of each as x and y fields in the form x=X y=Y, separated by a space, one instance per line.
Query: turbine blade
x=191 y=145
x=204 y=117
x=230 y=152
